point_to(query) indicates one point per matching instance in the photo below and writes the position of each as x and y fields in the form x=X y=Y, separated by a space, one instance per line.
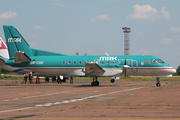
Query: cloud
x=177 y=53
x=101 y=18
x=113 y=0
x=140 y=34
x=32 y=44
x=143 y=12
x=60 y=4
x=37 y=27
x=143 y=52
x=8 y=15
x=165 y=41
x=174 y=29
x=165 y=13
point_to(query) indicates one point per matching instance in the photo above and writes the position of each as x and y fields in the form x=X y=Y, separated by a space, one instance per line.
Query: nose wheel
x=112 y=80
x=158 y=84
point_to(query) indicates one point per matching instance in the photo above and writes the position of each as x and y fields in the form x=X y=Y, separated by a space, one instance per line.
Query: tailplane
x=19 y=49
x=15 y=42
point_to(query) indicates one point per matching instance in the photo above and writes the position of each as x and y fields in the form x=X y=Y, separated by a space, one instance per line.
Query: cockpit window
x=160 y=61
x=157 y=61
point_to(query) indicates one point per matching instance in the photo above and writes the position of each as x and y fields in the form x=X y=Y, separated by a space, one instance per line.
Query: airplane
x=25 y=57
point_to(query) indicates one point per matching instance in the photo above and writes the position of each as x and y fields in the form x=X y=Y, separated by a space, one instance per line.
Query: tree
x=178 y=70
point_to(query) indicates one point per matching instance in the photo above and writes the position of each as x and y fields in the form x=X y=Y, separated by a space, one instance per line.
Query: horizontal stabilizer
x=92 y=68
x=20 y=57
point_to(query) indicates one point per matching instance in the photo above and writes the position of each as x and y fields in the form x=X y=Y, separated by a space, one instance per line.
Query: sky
x=95 y=26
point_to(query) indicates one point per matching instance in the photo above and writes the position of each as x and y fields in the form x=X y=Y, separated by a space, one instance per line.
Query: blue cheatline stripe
x=4 y=58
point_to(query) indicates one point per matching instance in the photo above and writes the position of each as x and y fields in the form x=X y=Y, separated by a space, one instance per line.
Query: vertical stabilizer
x=16 y=42
x=3 y=50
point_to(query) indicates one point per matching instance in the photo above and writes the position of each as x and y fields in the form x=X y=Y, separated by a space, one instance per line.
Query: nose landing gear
x=158 y=82
x=112 y=80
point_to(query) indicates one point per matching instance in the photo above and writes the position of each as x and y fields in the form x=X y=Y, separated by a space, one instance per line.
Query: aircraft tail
x=4 y=55
x=16 y=43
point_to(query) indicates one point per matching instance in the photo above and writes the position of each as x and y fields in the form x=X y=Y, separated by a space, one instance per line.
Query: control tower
x=126 y=40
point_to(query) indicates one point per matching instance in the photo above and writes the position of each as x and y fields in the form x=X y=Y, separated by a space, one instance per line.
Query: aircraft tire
x=158 y=84
x=93 y=84
x=112 y=80
x=97 y=83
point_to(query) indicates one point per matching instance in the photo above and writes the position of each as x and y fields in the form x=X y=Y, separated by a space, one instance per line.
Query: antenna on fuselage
x=107 y=54
x=77 y=53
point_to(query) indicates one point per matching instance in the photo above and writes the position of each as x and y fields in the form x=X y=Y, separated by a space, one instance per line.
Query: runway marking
x=67 y=92
x=6 y=100
x=16 y=99
x=56 y=93
x=15 y=109
x=73 y=100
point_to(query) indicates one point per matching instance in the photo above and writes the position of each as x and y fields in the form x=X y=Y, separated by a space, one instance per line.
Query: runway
x=123 y=99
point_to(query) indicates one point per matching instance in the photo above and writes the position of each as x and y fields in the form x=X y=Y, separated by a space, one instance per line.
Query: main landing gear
x=95 y=83
x=158 y=82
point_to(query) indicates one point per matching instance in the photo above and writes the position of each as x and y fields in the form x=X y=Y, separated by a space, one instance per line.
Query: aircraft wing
x=92 y=68
x=20 y=57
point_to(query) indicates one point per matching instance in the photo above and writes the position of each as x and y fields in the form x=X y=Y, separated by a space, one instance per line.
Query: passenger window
x=102 y=62
x=74 y=62
x=113 y=61
x=85 y=62
x=80 y=62
x=107 y=62
x=69 y=62
x=64 y=62
x=119 y=61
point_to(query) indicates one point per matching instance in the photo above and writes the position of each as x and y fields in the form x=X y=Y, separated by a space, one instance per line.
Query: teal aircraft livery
x=23 y=56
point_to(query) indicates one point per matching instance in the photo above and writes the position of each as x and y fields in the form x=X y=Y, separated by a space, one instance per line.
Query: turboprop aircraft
x=25 y=57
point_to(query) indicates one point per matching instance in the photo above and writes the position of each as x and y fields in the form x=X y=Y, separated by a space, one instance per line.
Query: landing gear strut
x=95 y=83
x=158 y=82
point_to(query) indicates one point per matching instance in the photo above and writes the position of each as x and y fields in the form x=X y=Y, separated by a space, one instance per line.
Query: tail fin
x=15 y=42
x=3 y=50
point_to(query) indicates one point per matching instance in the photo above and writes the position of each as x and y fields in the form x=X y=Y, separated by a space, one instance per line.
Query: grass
x=129 y=78
x=11 y=77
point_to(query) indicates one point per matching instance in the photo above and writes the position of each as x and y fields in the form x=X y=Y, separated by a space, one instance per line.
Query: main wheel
x=93 y=84
x=97 y=83
x=112 y=80
x=158 y=84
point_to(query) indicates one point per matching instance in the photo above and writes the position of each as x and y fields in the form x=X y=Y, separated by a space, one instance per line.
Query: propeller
x=125 y=68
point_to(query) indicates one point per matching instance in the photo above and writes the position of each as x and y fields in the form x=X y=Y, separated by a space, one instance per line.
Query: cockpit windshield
x=157 y=61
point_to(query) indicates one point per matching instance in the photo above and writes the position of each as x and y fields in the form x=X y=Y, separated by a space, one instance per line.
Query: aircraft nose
x=172 y=71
